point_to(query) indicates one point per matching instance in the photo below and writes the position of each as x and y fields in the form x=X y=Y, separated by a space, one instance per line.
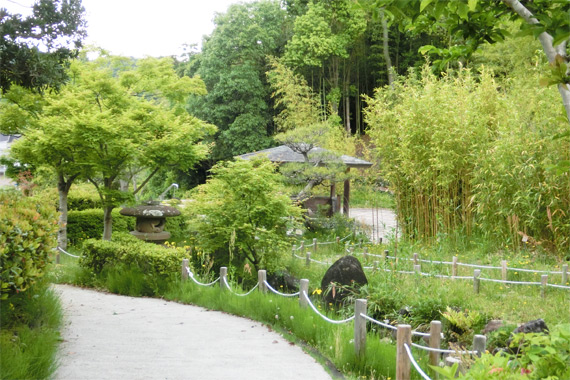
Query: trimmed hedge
x=83 y=197
x=88 y=224
x=151 y=259
x=28 y=228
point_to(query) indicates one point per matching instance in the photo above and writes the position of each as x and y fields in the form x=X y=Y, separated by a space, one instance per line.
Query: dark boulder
x=536 y=326
x=283 y=281
x=346 y=272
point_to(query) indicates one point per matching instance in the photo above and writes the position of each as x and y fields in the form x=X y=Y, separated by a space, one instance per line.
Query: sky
x=142 y=28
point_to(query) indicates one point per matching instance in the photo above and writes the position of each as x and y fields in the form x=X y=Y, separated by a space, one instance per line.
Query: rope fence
x=57 y=257
x=404 y=333
x=454 y=272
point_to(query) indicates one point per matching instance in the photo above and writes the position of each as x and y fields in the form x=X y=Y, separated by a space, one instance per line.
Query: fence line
x=414 y=363
x=360 y=318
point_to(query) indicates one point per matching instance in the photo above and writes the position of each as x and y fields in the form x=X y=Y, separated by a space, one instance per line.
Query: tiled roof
x=284 y=154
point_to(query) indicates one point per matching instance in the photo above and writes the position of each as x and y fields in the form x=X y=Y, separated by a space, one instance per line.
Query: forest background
x=449 y=99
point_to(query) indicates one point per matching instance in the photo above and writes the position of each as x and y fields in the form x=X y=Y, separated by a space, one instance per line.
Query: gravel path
x=379 y=222
x=106 y=336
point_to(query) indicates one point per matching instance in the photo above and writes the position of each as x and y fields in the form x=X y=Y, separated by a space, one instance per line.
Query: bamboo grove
x=470 y=153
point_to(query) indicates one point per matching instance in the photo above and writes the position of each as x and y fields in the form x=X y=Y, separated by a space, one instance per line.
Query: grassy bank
x=29 y=336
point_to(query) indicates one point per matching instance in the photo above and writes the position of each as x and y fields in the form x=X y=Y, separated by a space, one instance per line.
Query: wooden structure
x=283 y=154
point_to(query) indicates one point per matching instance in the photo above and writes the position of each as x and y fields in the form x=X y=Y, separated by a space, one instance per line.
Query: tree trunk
x=63 y=190
x=347 y=108
x=107 y=222
x=386 y=50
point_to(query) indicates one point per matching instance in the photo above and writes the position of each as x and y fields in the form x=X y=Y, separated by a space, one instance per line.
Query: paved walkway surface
x=106 y=336
x=378 y=222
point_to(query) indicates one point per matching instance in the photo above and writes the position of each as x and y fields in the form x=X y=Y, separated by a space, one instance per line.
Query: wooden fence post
x=337 y=238
x=223 y=275
x=302 y=249
x=504 y=270
x=314 y=244
x=376 y=265
x=403 y=336
x=303 y=288
x=364 y=253
x=360 y=328
x=261 y=278
x=417 y=268
x=184 y=271
x=543 y=281
x=479 y=344
x=434 y=342
x=385 y=255
x=454 y=266
x=416 y=259
x=564 y=274
x=476 y=280
x=293 y=250
x=308 y=259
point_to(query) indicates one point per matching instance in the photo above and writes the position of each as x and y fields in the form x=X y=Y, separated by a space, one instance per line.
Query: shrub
x=27 y=234
x=83 y=197
x=151 y=259
x=88 y=224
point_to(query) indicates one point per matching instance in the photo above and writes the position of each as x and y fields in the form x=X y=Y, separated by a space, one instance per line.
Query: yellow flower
x=317 y=291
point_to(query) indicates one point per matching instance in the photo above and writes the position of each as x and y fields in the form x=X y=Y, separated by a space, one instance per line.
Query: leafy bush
x=27 y=235
x=83 y=197
x=88 y=224
x=242 y=214
x=151 y=259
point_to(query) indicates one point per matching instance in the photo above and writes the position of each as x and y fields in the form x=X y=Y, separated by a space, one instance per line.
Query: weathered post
x=454 y=266
x=417 y=268
x=416 y=259
x=359 y=328
x=184 y=269
x=302 y=249
x=476 y=280
x=223 y=278
x=564 y=274
x=403 y=336
x=434 y=342
x=543 y=282
x=303 y=289
x=364 y=253
x=308 y=259
x=337 y=239
x=504 y=270
x=385 y=254
x=314 y=244
x=261 y=279
x=479 y=344
x=376 y=265
x=293 y=250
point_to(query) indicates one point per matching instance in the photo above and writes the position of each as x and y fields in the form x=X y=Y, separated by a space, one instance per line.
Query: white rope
x=478 y=266
x=198 y=282
x=346 y=237
x=385 y=325
x=324 y=316
x=299 y=257
x=441 y=351
x=67 y=253
x=279 y=293
x=416 y=366
x=509 y=282
x=318 y=262
x=238 y=294
x=533 y=271
x=326 y=242
x=558 y=286
x=435 y=262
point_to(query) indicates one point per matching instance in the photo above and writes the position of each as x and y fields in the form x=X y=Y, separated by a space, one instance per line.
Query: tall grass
x=29 y=334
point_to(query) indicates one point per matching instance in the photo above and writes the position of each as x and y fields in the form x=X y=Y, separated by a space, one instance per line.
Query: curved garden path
x=106 y=336
x=378 y=222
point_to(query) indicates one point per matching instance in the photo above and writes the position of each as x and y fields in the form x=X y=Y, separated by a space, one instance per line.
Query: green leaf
x=472 y=4
x=560 y=36
x=425 y=49
x=424 y=4
x=463 y=10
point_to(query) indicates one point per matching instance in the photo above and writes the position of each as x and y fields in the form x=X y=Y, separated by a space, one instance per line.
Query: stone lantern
x=151 y=219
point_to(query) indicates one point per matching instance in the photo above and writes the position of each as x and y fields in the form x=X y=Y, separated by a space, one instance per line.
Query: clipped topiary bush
x=88 y=224
x=151 y=259
x=28 y=228
x=83 y=197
